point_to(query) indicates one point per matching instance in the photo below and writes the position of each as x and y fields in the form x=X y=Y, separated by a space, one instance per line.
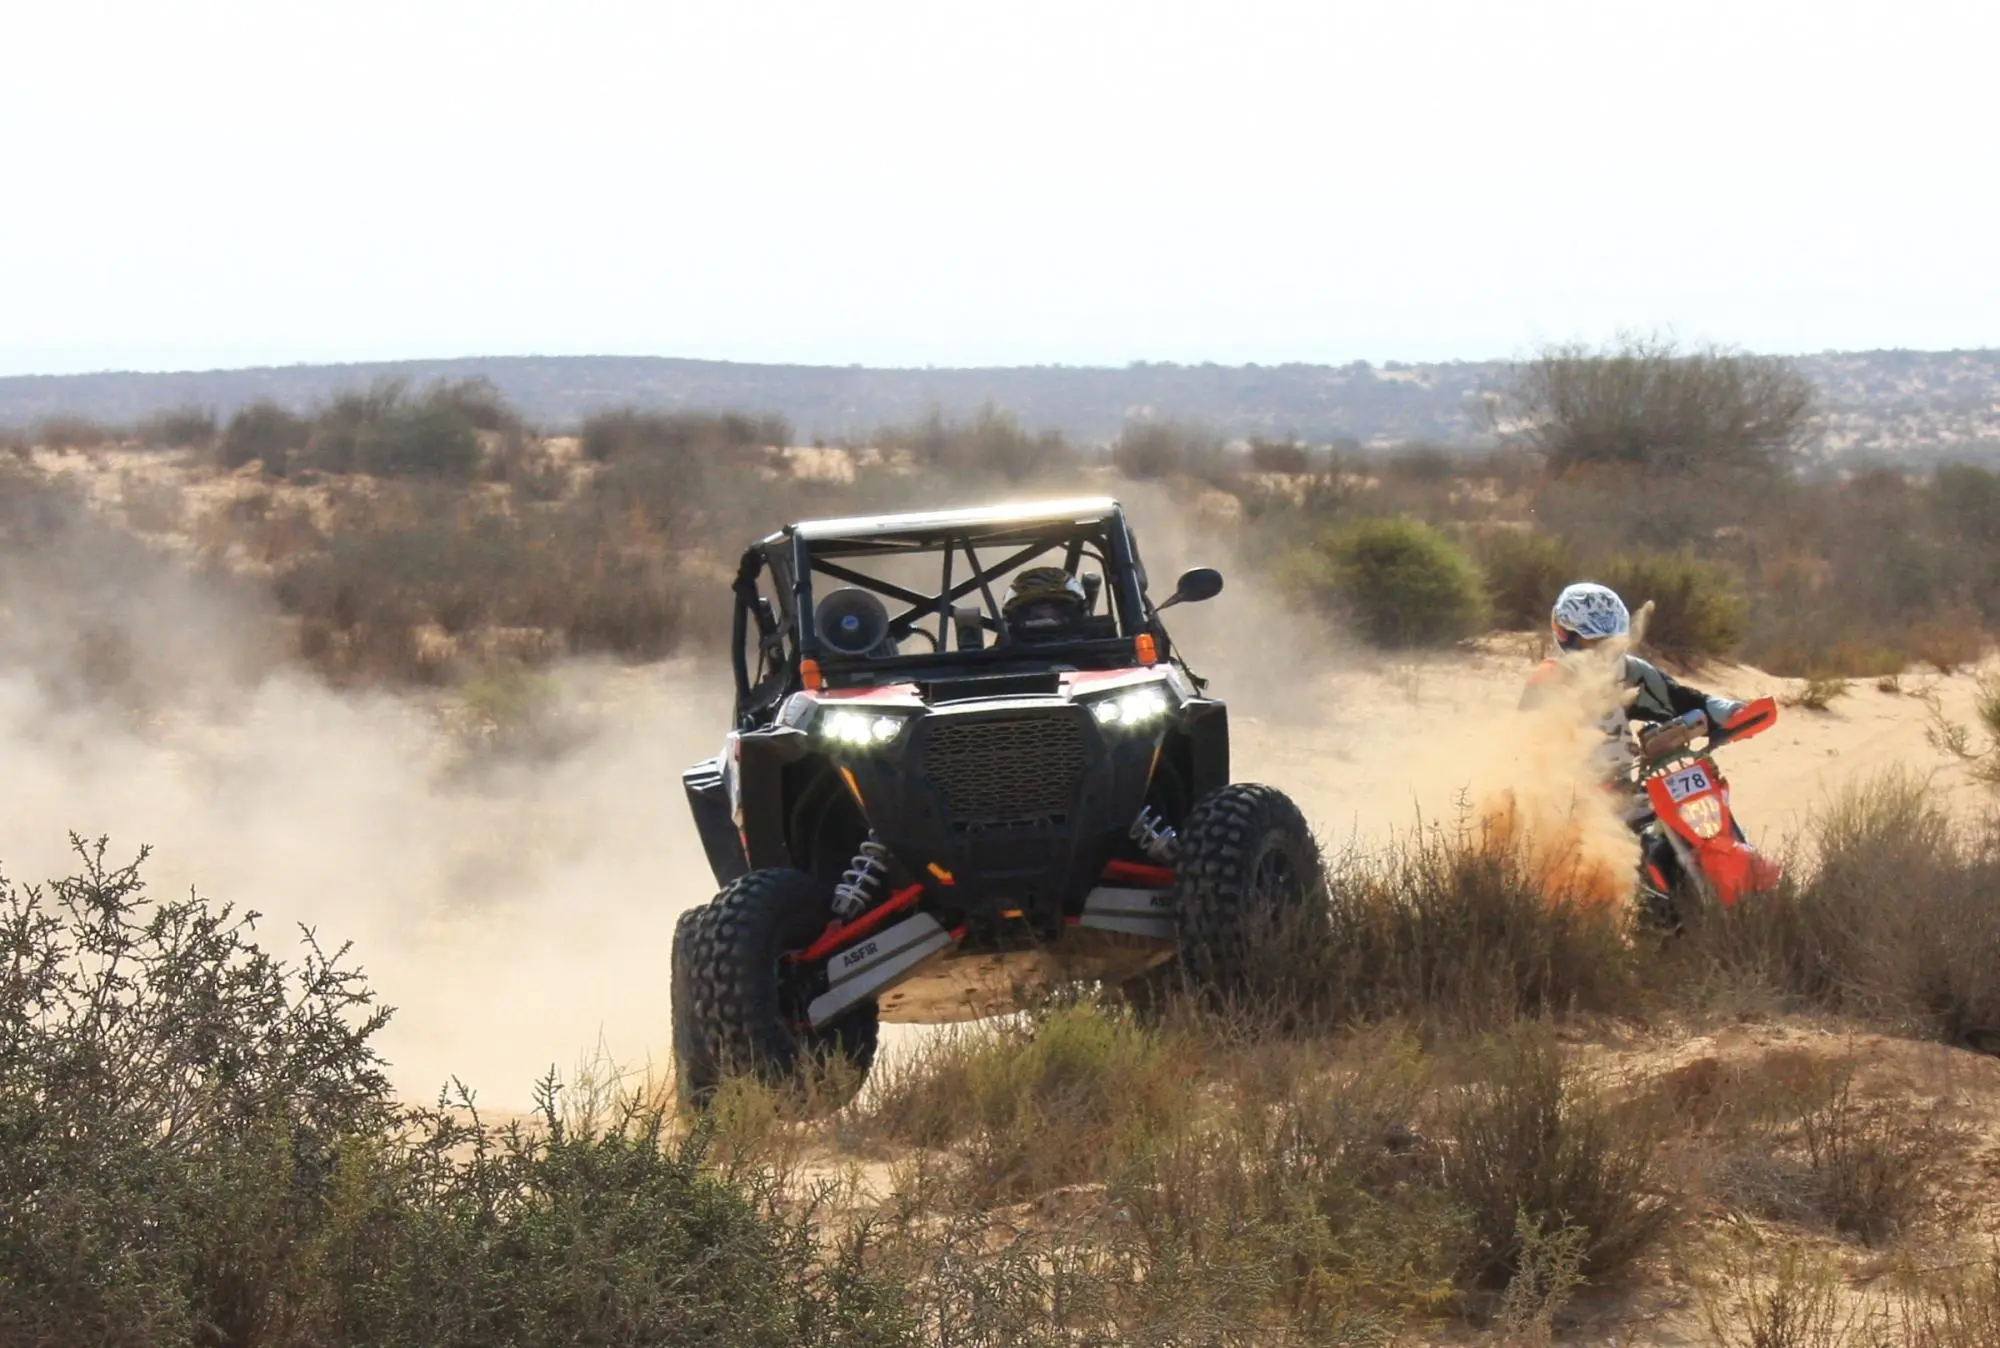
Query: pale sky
x=191 y=185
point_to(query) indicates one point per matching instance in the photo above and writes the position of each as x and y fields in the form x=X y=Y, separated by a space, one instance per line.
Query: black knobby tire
x=1248 y=871
x=1670 y=911
x=747 y=1006
x=695 y=1070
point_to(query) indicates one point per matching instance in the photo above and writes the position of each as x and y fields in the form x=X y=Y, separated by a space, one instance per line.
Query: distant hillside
x=1878 y=402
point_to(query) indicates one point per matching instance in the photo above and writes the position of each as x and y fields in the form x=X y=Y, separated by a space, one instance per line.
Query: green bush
x=264 y=432
x=1697 y=610
x=1525 y=571
x=429 y=440
x=477 y=401
x=197 y=1146
x=174 y=1104
x=1400 y=582
x=384 y=433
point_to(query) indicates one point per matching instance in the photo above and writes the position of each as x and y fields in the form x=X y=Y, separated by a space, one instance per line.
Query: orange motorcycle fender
x=1736 y=869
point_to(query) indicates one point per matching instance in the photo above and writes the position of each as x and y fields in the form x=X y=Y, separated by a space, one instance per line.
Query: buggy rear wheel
x=1248 y=871
x=743 y=1011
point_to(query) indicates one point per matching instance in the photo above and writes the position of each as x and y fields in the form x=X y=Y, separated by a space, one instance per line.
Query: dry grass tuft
x=1539 y=1154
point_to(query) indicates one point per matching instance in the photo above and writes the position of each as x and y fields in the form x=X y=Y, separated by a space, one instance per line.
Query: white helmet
x=1587 y=611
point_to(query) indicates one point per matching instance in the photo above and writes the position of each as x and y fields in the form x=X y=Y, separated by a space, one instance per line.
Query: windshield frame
x=970 y=558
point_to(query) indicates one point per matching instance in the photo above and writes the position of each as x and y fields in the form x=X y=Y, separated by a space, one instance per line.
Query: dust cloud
x=513 y=897
x=1375 y=746
x=513 y=900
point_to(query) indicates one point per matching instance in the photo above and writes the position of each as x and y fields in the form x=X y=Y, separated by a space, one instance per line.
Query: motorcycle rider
x=1586 y=617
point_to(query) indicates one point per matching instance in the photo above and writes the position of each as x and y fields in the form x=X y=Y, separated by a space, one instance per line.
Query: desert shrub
x=1646 y=404
x=1538 y=1150
x=1420 y=463
x=1958 y=1308
x=476 y=401
x=595 y=1225
x=679 y=437
x=991 y=443
x=1697 y=610
x=1457 y=929
x=1524 y=572
x=1463 y=928
x=525 y=463
x=383 y=432
x=1309 y=1189
x=429 y=440
x=371 y=599
x=1871 y=1171
x=1270 y=1182
x=1148 y=450
x=1965 y=499
x=1818 y=694
x=1047 y=1102
x=151 y=505
x=1891 y=920
x=33 y=508
x=201 y=1148
x=1281 y=456
x=263 y=432
x=185 y=427
x=1793 y=1300
x=1397 y=581
x=71 y=432
x=175 y=1103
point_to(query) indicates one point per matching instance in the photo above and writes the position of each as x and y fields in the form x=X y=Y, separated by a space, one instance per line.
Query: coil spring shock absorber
x=858 y=884
x=1156 y=837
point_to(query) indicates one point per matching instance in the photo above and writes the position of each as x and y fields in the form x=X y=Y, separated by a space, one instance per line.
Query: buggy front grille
x=1005 y=772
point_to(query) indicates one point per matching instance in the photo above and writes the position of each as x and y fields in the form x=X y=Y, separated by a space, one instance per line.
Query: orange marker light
x=943 y=875
x=810 y=676
x=1146 y=649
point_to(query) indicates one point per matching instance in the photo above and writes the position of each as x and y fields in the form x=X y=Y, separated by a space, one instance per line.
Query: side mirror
x=1195 y=586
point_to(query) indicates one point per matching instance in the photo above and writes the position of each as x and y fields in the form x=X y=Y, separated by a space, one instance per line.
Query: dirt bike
x=1695 y=854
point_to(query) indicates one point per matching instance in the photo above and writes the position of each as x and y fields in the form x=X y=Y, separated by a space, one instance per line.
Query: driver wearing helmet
x=1045 y=603
x=1585 y=617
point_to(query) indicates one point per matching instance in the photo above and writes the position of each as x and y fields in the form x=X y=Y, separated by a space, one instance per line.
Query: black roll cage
x=786 y=635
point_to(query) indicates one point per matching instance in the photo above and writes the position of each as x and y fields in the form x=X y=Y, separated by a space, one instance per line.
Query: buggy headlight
x=1133 y=707
x=859 y=729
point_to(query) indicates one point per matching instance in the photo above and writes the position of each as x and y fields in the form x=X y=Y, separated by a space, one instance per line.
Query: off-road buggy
x=921 y=815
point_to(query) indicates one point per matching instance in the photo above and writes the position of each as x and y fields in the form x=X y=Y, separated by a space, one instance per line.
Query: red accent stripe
x=838 y=934
x=1139 y=873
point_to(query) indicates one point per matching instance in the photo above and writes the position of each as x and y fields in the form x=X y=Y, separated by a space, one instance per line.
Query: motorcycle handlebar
x=1675 y=735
